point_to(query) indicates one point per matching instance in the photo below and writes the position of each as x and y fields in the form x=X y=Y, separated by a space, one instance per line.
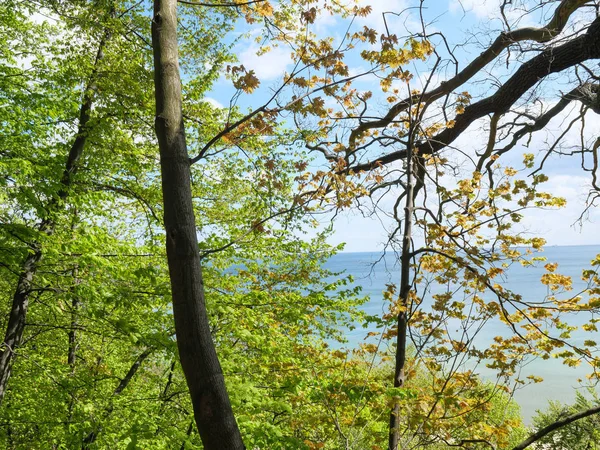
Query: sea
x=372 y=271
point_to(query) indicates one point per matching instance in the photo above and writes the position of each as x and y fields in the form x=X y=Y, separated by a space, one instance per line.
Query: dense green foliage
x=81 y=221
x=98 y=350
x=583 y=434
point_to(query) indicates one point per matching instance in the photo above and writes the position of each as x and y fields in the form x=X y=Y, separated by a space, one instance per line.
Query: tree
x=46 y=225
x=580 y=434
x=236 y=189
x=92 y=264
x=212 y=409
x=213 y=413
x=408 y=152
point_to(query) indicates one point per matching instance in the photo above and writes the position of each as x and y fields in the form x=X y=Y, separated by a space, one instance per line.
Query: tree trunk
x=72 y=350
x=20 y=303
x=16 y=318
x=212 y=410
x=402 y=320
x=90 y=439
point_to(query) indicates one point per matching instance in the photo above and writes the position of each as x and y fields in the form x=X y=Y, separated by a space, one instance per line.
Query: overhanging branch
x=555 y=426
x=502 y=42
x=551 y=60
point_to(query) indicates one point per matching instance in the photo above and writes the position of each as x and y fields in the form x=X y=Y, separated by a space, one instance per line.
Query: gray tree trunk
x=402 y=319
x=212 y=410
x=29 y=267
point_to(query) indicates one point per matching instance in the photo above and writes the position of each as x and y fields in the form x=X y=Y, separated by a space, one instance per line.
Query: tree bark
x=16 y=318
x=212 y=410
x=72 y=350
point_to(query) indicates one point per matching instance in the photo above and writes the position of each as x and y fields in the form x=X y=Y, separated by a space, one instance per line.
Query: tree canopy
x=162 y=257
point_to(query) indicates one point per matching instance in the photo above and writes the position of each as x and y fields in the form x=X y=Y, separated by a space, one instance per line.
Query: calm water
x=372 y=273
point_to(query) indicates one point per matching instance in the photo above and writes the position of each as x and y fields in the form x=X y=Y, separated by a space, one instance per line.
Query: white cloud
x=43 y=15
x=562 y=227
x=426 y=79
x=376 y=20
x=324 y=22
x=269 y=66
x=213 y=102
x=482 y=9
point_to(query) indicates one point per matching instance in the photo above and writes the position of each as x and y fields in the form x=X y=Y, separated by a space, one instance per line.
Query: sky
x=477 y=22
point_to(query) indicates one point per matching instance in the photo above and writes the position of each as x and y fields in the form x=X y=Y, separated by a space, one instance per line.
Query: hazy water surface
x=372 y=273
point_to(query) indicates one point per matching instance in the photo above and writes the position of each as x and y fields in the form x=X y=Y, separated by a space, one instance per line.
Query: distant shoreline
x=546 y=246
x=372 y=271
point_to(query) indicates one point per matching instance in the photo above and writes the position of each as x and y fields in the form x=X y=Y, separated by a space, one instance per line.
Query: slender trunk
x=163 y=396
x=9 y=435
x=212 y=410
x=93 y=435
x=402 y=320
x=165 y=391
x=29 y=267
x=187 y=435
x=131 y=372
x=72 y=351
x=16 y=318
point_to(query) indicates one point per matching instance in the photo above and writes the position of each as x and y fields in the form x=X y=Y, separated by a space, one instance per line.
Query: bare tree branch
x=555 y=426
x=503 y=41
x=220 y=5
x=551 y=60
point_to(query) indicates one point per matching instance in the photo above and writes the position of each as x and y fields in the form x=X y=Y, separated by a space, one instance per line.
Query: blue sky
x=476 y=23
